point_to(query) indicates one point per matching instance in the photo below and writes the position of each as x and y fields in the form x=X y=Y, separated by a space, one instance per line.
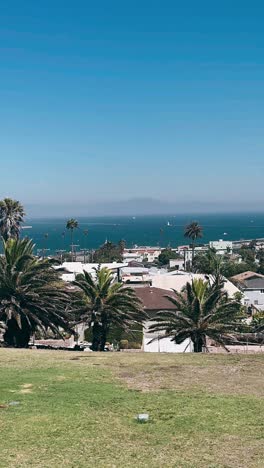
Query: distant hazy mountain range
x=137 y=206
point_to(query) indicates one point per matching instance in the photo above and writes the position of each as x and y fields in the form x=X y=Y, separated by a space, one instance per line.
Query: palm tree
x=45 y=245
x=201 y=310
x=11 y=216
x=31 y=294
x=122 y=245
x=85 y=233
x=71 y=225
x=193 y=231
x=107 y=304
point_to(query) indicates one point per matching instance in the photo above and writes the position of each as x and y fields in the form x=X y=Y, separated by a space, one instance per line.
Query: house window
x=256 y=302
x=262 y=291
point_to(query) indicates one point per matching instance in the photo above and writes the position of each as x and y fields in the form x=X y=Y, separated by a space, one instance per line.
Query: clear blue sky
x=116 y=100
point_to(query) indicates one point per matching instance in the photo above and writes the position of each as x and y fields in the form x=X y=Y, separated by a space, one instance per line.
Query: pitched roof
x=153 y=298
x=241 y=277
x=254 y=283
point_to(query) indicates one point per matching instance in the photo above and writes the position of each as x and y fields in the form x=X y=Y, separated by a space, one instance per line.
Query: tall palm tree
x=45 y=245
x=31 y=294
x=71 y=225
x=201 y=310
x=193 y=231
x=85 y=233
x=107 y=304
x=11 y=216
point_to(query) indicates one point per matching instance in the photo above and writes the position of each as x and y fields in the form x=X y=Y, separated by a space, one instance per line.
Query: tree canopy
x=209 y=262
x=11 y=217
x=106 y=304
x=166 y=255
x=201 y=311
x=109 y=252
x=31 y=294
x=193 y=231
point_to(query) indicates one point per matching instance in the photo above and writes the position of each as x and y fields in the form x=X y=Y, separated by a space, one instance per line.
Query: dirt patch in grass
x=242 y=376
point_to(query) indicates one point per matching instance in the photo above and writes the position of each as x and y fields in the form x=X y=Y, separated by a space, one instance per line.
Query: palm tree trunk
x=96 y=332
x=103 y=338
x=15 y=336
x=193 y=248
x=72 y=245
x=198 y=345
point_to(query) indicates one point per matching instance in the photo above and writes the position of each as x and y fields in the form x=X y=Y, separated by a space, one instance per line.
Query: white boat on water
x=26 y=227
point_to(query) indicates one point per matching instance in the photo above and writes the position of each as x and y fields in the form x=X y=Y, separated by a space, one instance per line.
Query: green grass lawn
x=78 y=410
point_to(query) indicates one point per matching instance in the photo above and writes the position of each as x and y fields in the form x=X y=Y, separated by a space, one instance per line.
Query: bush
x=124 y=344
x=117 y=335
x=134 y=345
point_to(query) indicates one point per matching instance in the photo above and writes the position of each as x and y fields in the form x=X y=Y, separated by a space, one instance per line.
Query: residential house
x=136 y=275
x=154 y=301
x=142 y=253
x=252 y=285
x=221 y=246
x=69 y=270
x=177 y=263
x=177 y=280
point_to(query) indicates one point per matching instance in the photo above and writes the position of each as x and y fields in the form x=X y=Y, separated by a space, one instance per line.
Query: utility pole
x=85 y=232
x=74 y=250
x=60 y=254
x=84 y=252
x=42 y=252
x=45 y=249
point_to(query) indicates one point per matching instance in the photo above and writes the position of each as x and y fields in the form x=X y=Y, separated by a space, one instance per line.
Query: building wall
x=177 y=263
x=255 y=297
x=166 y=346
x=221 y=246
x=187 y=253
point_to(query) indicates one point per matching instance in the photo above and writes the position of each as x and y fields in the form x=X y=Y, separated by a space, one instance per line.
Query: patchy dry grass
x=78 y=410
x=226 y=374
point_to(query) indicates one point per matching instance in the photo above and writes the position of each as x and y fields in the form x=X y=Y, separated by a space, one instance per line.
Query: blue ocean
x=161 y=230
